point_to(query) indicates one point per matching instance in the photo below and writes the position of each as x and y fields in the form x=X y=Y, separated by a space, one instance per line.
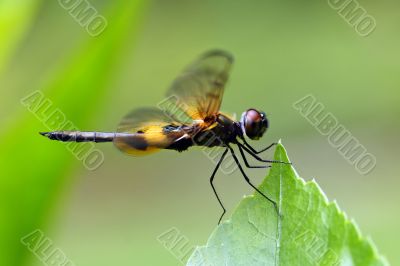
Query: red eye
x=255 y=124
x=253 y=116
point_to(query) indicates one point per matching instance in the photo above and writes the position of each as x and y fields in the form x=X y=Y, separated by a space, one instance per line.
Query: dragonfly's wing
x=148 y=130
x=199 y=90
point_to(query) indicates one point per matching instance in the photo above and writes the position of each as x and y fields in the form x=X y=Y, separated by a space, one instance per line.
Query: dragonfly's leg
x=258 y=157
x=212 y=185
x=254 y=150
x=247 y=164
x=249 y=182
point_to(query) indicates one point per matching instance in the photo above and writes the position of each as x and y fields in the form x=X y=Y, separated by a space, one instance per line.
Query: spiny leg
x=254 y=150
x=212 y=185
x=248 y=180
x=247 y=164
x=258 y=158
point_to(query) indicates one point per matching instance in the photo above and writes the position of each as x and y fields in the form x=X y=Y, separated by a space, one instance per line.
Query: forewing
x=199 y=90
x=145 y=131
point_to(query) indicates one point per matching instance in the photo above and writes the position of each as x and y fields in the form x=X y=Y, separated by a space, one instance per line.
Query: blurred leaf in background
x=15 y=19
x=29 y=184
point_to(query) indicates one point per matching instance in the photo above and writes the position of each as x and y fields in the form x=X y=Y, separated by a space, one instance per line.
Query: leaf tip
x=280 y=153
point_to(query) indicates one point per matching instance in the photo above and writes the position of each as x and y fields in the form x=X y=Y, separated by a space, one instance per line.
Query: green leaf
x=309 y=231
x=32 y=169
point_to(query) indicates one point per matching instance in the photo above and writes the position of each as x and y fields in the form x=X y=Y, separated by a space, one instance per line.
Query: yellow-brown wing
x=199 y=90
x=148 y=130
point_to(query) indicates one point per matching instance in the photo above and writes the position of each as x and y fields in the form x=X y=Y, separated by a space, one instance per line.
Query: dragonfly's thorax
x=220 y=133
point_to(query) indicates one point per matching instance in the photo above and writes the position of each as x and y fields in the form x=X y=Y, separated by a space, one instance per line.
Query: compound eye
x=253 y=124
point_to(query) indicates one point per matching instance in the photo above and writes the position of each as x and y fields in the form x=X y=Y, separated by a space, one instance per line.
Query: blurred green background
x=284 y=50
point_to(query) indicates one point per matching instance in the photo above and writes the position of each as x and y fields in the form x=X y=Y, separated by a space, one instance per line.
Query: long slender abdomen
x=80 y=136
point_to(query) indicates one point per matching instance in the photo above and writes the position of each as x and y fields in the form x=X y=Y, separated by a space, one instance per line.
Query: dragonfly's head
x=254 y=123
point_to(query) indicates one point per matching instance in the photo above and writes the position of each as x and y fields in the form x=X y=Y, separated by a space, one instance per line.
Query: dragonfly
x=190 y=116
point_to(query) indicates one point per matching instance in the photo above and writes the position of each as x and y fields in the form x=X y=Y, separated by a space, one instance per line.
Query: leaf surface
x=309 y=230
